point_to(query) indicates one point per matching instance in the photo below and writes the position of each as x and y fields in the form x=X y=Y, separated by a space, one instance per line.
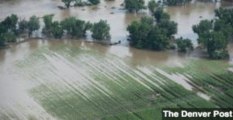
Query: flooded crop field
x=71 y=79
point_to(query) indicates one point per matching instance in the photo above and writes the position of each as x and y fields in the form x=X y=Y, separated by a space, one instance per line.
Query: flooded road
x=73 y=79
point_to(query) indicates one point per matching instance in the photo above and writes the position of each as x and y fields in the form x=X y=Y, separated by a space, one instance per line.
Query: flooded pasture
x=74 y=79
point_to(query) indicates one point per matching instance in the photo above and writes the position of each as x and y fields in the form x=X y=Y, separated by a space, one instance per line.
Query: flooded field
x=77 y=80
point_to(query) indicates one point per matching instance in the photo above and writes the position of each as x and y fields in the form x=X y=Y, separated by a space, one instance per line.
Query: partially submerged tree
x=147 y=34
x=48 y=21
x=75 y=27
x=100 y=30
x=33 y=24
x=10 y=22
x=176 y=2
x=94 y=2
x=23 y=26
x=2 y=41
x=184 y=45
x=152 y=6
x=214 y=35
x=160 y=15
x=57 y=30
x=9 y=37
x=8 y=30
x=134 y=5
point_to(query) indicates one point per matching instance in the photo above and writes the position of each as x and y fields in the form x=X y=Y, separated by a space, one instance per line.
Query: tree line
x=11 y=28
x=154 y=32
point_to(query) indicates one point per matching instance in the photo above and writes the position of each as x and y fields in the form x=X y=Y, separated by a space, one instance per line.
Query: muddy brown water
x=16 y=102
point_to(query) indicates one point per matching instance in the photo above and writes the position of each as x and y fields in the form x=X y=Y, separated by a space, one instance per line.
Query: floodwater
x=39 y=78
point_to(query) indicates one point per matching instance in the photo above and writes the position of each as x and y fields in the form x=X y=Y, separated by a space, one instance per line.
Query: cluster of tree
x=184 y=45
x=134 y=5
x=75 y=28
x=176 y=2
x=214 y=35
x=101 y=30
x=152 y=33
x=156 y=32
x=80 y=2
x=71 y=26
x=11 y=28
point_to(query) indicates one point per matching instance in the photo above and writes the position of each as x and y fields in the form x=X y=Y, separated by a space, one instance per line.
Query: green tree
x=157 y=39
x=94 y=2
x=139 y=32
x=176 y=2
x=160 y=15
x=68 y=24
x=57 y=30
x=152 y=6
x=75 y=27
x=169 y=27
x=48 y=21
x=225 y=15
x=33 y=24
x=100 y=30
x=67 y=3
x=2 y=41
x=217 y=45
x=146 y=34
x=9 y=37
x=184 y=44
x=214 y=35
x=10 y=22
x=134 y=5
x=3 y=28
x=23 y=26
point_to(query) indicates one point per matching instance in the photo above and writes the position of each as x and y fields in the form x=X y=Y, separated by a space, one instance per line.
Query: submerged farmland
x=74 y=81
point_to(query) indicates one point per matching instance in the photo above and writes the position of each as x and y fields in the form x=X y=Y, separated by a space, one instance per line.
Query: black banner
x=197 y=114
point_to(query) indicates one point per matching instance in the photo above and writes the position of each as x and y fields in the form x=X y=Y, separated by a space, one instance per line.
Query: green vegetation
x=160 y=15
x=11 y=28
x=48 y=21
x=94 y=2
x=134 y=5
x=184 y=44
x=147 y=34
x=214 y=35
x=176 y=2
x=8 y=30
x=115 y=90
x=33 y=24
x=23 y=26
x=10 y=23
x=57 y=30
x=100 y=30
x=75 y=27
x=152 y=6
